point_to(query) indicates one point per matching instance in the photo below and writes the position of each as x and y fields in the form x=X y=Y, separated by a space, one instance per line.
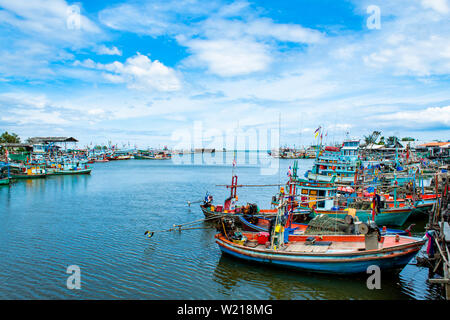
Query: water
x=98 y=222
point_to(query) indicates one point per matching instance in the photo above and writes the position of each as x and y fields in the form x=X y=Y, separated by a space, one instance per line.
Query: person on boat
x=227 y=204
x=271 y=225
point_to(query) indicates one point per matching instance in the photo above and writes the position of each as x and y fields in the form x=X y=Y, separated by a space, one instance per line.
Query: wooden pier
x=438 y=233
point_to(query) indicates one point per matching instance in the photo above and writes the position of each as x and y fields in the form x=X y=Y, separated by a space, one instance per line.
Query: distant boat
x=70 y=168
x=123 y=157
x=153 y=156
x=28 y=172
x=4 y=175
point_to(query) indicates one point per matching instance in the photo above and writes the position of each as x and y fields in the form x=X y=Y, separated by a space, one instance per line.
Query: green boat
x=28 y=172
x=71 y=171
x=70 y=168
x=4 y=175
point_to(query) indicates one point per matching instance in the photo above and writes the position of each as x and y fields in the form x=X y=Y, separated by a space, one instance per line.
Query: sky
x=151 y=73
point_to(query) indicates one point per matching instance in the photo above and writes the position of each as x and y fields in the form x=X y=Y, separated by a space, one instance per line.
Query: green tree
x=9 y=138
x=391 y=141
x=408 y=139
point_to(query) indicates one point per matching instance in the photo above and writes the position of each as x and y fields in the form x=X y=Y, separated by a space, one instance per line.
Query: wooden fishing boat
x=28 y=172
x=152 y=155
x=342 y=254
x=123 y=157
x=4 y=175
x=72 y=171
x=70 y=168
x=336 y=163
x=319 y=198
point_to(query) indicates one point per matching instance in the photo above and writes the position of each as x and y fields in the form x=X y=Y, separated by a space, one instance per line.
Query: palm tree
x=371 y=138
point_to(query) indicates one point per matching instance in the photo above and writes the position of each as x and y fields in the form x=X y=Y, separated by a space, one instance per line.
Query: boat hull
x=4 y=182
x=211 y=215
x=26 y=177
x=71 y=172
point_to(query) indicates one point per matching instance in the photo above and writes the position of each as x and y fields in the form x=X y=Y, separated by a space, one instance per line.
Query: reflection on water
x=98 y=222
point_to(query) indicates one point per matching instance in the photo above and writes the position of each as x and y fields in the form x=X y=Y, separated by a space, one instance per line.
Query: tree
x=392 y=141
x=408 y=139
x=9 y=138
x=371 y=138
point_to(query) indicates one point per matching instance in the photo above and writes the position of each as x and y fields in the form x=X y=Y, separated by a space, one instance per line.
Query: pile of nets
x=324 y=225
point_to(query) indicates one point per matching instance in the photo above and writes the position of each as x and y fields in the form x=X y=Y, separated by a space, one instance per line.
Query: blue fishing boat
x=319 y=198
x=343 y=254
x=341 y=162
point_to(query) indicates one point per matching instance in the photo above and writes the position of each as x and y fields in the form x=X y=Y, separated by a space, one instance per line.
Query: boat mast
x=395 y=174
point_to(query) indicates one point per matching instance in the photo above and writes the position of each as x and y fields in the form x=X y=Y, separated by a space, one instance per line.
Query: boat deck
x=332 y=244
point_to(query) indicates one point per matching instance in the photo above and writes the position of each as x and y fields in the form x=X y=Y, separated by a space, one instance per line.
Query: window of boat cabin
x=313 y=192
x=321 y=204
x=304 y=191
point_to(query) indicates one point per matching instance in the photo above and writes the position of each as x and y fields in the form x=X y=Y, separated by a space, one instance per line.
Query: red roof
x=434 y=144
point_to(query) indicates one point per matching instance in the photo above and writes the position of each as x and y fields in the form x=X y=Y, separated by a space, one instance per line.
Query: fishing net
x=323 y=225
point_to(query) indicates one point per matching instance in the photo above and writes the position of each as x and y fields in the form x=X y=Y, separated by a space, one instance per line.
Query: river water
x=97 y=222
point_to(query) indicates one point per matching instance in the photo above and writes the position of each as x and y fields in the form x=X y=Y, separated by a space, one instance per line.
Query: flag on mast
x=317 y=131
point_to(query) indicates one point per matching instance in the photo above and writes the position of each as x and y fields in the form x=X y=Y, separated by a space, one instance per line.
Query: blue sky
x=144 y=71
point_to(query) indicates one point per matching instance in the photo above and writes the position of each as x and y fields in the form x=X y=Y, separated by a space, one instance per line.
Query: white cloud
x=265 y=27
x=35 y=34
x=440 y=6
x=233 y=47
x=25 y=117
x=226 y=57
x=428 y=116
x=113 y=51
x=224 y=45
x=48 y=18
x=138 y=72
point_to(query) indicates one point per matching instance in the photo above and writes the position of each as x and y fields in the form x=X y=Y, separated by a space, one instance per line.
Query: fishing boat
x=4 y=175
x=123 y=157
x=28 y=171
x=70 y=168
x=341 y=162
x=336 y=254
x=318 y=198
x=230 y=207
